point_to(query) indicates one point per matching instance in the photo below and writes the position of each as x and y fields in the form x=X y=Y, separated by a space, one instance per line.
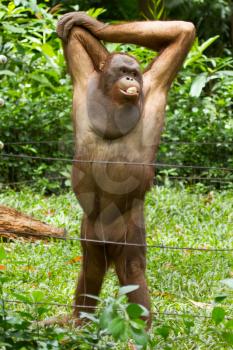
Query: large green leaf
x=43 y=80
x=197 y=50
x=37 y=296
x=6 y=72
x=13 y=29
x=48 y=50
x=117 y=327
x=128 y=289
x=198 y=84
x=218 y=315
x=134 y=310
x=163 y=331
x=207 y=43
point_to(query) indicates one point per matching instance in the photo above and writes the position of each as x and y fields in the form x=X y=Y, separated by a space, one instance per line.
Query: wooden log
x=14 y=224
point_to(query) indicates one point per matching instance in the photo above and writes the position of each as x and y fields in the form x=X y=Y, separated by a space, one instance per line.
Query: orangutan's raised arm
x=172 y=39
x=83 y=52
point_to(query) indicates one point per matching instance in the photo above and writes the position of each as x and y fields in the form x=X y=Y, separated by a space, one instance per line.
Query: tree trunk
x=14 y=224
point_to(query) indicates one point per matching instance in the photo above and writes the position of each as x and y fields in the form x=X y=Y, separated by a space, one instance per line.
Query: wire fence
x=116 y=243
x=218 y=176
x=106 y=162
x=18 y=183
x=109 y=242
x=160 y=178
x=73 y=306
x=163 y=141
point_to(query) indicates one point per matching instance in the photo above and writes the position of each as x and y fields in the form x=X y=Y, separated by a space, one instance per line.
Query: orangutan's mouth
x=131 y=91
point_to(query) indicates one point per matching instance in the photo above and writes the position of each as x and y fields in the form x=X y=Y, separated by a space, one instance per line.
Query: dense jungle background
x=189 y=216
x=36 y=90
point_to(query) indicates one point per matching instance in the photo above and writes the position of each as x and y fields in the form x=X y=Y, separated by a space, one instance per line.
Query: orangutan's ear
x=101 y=66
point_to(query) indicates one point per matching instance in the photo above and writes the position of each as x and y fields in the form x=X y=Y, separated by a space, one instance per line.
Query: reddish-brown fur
x=112 y=195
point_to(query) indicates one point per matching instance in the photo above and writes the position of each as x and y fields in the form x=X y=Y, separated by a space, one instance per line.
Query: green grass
x=174 y=217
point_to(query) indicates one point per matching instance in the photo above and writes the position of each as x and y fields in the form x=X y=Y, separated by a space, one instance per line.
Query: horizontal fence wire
x=158 y=246
x=163 y=141
x=220 y=143
x=158 y=178
x=56 y=178
x=96 y=241
x=105 y=162
x=73 y=306
x=197 y=178
x=38 y=142
x=151 y=246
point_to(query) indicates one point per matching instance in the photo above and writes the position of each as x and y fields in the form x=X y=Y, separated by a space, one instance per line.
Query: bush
x=37 y=96
x=200 y=112
x=36 y=91
x=199 y=118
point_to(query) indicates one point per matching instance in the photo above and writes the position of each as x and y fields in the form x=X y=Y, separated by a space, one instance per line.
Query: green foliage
x=35 y=87
x=120 y=9
x=224 y=325
x=117 y=323
x=36 y=102
x=180 y=282
x=210 y=18
x=199 y=111
x=202 y=113
x=121 y=320
x=156 y=10
x=218 y=315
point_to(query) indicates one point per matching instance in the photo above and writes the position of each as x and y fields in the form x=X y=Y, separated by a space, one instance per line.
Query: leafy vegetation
x=35 y=58
x=115 y=322
x=199 y=119
x=191 y=289
x=183 y=282
x=199 y=110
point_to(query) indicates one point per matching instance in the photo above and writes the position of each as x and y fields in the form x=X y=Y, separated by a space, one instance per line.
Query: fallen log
x=14 y=224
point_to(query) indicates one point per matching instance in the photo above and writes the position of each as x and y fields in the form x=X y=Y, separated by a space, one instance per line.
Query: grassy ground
x=180 y=281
